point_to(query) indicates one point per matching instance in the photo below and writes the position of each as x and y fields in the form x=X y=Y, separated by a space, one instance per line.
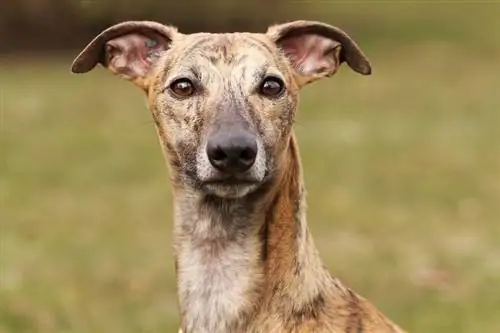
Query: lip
x=230 y=186
x=231 y=181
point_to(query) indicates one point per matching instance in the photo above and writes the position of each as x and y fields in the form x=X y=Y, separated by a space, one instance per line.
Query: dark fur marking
x=354 y=322
x=170 y=114
x=310 y=310
x=264 y=232
x=198 y=43
x=297 y=211
x=174 y=159
x=263 y=236
x=197 y=125
x=254 y=116
x=223 y=46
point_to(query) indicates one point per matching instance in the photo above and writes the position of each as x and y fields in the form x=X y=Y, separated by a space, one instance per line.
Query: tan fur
x=245 y=259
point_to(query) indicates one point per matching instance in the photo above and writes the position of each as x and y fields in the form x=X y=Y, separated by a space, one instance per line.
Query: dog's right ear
x=128 y=49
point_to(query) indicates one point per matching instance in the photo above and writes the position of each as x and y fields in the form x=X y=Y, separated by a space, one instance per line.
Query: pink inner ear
x=132 y=55
x=311 y=54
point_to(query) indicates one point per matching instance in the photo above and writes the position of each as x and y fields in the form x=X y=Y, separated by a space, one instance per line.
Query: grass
x=402 y=170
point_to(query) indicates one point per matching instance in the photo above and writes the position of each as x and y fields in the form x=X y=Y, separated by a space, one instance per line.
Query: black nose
x=232 y=153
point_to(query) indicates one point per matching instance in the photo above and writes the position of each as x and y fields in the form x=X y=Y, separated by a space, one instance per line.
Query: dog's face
x=223 y=104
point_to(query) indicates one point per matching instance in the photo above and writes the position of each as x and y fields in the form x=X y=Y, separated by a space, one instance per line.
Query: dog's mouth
x=230 y=186
x=231 y=181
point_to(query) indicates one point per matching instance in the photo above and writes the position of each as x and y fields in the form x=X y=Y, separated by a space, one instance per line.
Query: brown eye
x=182 y=88
x=271 y=86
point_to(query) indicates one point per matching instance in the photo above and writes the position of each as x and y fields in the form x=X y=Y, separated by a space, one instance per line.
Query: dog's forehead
x=234 y=47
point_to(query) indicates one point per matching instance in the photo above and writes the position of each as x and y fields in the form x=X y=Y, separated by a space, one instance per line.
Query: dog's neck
x=235 y=258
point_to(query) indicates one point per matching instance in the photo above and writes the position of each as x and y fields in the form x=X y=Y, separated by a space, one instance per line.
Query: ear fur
x=316 y=49
x=127 y=49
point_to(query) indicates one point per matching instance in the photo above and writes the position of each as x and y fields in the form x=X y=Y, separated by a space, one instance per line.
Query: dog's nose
x=232 y=153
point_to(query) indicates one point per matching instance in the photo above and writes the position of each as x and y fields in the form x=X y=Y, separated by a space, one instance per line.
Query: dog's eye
x=182 y=87
x=271 y=86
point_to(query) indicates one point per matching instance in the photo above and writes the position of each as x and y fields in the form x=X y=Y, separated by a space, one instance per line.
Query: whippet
x=224 y=107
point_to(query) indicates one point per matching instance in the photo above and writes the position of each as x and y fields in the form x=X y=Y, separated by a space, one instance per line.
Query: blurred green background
x=402 y=167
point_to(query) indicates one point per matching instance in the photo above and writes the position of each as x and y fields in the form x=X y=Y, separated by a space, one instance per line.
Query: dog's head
x=223 y=104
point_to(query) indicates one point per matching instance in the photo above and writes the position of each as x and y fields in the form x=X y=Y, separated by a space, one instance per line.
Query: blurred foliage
x=56 y=24
x=48 y=25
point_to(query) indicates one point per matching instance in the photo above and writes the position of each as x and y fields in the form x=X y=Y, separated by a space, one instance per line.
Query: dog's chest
x=215 y=284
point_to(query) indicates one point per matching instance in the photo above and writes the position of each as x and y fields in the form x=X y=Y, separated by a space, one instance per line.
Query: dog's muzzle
x=231 y=163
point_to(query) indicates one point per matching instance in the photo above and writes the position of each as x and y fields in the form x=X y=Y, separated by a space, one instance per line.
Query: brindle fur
x=245 y=259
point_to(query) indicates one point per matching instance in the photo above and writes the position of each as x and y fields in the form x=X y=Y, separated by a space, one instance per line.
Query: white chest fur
x=214 y=282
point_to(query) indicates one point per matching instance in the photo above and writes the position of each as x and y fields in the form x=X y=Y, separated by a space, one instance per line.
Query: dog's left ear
x=317 y=50
x=128 y=49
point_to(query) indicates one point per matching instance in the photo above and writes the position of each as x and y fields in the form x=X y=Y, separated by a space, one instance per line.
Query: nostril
x=248 y=155
x=218 y=155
